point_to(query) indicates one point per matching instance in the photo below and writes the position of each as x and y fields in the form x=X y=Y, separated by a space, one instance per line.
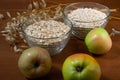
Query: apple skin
x=81 y=66
x=34 y=62
x=98 y=41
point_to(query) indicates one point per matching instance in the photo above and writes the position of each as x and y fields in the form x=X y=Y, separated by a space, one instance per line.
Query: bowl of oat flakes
x=51 y=34
x=85 y=16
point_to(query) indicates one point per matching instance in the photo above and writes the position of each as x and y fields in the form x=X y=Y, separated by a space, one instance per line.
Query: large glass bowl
x=54 y=45
x=81 y=29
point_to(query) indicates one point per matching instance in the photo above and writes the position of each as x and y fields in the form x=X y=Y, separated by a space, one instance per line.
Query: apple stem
x=79 y=69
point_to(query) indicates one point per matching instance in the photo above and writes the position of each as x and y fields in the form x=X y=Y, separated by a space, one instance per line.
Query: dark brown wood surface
x=109 y=63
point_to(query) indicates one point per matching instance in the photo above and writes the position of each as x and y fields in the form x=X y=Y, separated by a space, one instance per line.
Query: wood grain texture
x=109 y=63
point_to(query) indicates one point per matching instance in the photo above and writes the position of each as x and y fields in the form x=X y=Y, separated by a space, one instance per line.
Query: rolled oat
x=87 y=17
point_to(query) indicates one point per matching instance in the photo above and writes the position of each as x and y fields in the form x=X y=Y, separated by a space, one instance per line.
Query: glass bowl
x=81 y=28
x=54 y=45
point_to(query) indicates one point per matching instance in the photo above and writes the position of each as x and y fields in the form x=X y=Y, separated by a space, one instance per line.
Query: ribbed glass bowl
x=86 y=26
x=54 y=45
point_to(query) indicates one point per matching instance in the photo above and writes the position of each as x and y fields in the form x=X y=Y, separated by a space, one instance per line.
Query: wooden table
x=109 y=63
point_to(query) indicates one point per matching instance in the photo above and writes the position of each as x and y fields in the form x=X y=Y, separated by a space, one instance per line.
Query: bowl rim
x=107 y=15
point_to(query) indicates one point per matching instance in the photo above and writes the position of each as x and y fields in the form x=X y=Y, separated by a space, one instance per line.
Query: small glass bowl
x=86 y=26
x=54 y=45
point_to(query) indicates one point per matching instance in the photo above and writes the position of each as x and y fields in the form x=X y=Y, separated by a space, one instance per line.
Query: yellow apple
x=98 y=41
x=34 y=62
x=81 y=66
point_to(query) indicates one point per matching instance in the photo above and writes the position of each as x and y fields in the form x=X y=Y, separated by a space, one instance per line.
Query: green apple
x=81 y=66
x=34 y=62
x=98 y=41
